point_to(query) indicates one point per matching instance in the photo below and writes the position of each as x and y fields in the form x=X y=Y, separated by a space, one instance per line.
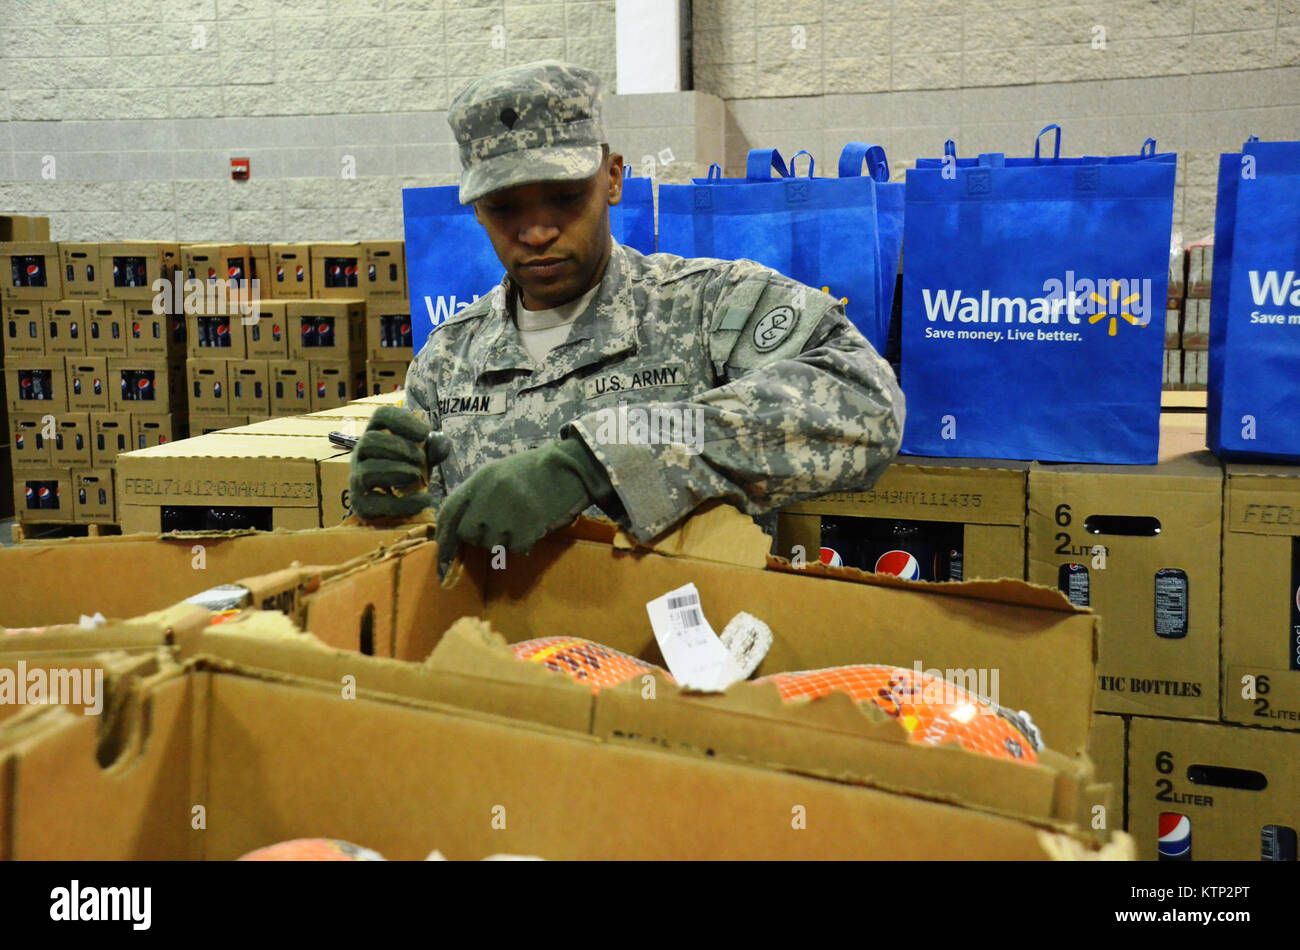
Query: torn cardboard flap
x=716 y=533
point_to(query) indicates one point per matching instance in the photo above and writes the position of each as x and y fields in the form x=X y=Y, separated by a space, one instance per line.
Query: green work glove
x=519 y=500
x=391 y=465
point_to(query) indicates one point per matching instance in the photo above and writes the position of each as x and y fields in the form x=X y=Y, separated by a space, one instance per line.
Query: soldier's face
x=553 y=237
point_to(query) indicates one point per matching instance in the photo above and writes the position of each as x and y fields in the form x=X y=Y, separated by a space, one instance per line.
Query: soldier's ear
x=478 y=215
x=615 y=178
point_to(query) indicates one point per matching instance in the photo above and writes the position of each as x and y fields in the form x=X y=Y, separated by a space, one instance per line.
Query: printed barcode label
x=695 y=656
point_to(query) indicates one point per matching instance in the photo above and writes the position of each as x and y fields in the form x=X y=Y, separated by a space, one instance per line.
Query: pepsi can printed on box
x=28 y=270
x=913 y=550
x=1174 y=836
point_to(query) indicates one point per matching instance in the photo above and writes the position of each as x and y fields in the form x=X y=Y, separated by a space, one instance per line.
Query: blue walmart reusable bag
x=824 y=232
x=450 y=262
x=1254 y=383
x=1033 y=305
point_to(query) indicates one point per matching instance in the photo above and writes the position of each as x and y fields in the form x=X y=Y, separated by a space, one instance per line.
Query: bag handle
x=1150 y=143
x=761 y=162
x=950 y=148
x=855 y=153
x=793 y=173
x=1252 y=138
x=715 y=172
x=1056 y=153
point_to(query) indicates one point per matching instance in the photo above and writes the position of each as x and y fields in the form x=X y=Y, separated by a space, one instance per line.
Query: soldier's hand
x=517 y=501
x=391 y=464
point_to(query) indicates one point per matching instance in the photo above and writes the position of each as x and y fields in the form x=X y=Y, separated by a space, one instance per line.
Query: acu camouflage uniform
x=794 y=401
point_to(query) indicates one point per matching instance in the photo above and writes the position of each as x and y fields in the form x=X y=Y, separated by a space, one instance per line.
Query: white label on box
x=694 y=654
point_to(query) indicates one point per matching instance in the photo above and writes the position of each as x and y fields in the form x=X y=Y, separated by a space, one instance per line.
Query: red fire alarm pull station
x=239 y=169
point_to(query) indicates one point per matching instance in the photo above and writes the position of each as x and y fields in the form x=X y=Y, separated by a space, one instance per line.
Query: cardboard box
x=317 y=755
x=204 y=424
x=72 y=441
x=130 y=268
x=1196 y=369
x=43 y=495
x=110 y=434
x=384 y=272
x=335 y=503
x=150 y=385
x=92 y=491
x=90 y=387
x=1173 y=328
x=6 y=478
x=28 y=446
x=206 y=389
x=212 y=336
x=1261 y=595
x=208 y=263
x=30 y=270
x=1177 y=286
x=1173 y=378
x=35 y=384
x=109 y=570
x=153 y=334
x=290 y=271
x=1144 y=544
x=259 y=268
x=268 y=337
x=383 y=399
x=385 y=377
x=1200 y=267
x=336 y=270
x=106 y=332
x=1196 y=325
x=24 y=329
x=976 y=505
x=327 y=330
x=148 y=431
x=264 y=482
x=335 y=384
x=248 y=384
x=1108 y=751
x=1229 y=782
x=64 y=328
x=389 y=336
x=290 y=381
x=82 y=276
x=24 y=227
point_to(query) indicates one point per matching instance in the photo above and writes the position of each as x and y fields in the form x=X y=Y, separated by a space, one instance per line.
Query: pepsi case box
x=29 y=270
x=259 y=268
x=206 y=387
x=6 y=478
x=1140 y=545
x=205 y=424
x=211 y=336
x=24 y=227
x=152 y=333
x=110 y=435
x=1108 y=750
x=106 y=332
x=1212 y=792
x=383 y=270
x=290 y=271
x=208 y=263
x=23 y=331
x=385 y=377
x=81 y=271
x=89 y=386
x=92 y=496
x=336 y=270
x=925 y=519
x=248 y=385
x=147 y=385
x=389 y=337
x=36 y=384
x=28 y=445
x=65 y=327
x=290 y=392
x=72 y=440
x=327 y=330
x=1261 y=595
x=335 y=384
x=43 y=495
x=267 y=337
x=148 y=431
x=130 y=269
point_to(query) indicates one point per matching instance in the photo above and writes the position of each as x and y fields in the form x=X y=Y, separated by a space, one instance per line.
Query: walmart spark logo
x=1112 y=308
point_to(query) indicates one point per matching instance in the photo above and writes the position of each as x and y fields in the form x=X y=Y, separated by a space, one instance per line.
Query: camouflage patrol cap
x=535 y=122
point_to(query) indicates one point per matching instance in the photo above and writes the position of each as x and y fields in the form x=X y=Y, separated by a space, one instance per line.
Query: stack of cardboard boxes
x=1187 y=316
x=328 y=316
x=93 y=367
x=1194 y=569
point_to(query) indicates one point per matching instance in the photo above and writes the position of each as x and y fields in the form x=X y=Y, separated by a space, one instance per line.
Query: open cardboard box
x=269 y=760
x=591 y=583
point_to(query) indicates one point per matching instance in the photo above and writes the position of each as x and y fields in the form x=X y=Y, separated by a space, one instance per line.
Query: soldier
x=598 y=379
